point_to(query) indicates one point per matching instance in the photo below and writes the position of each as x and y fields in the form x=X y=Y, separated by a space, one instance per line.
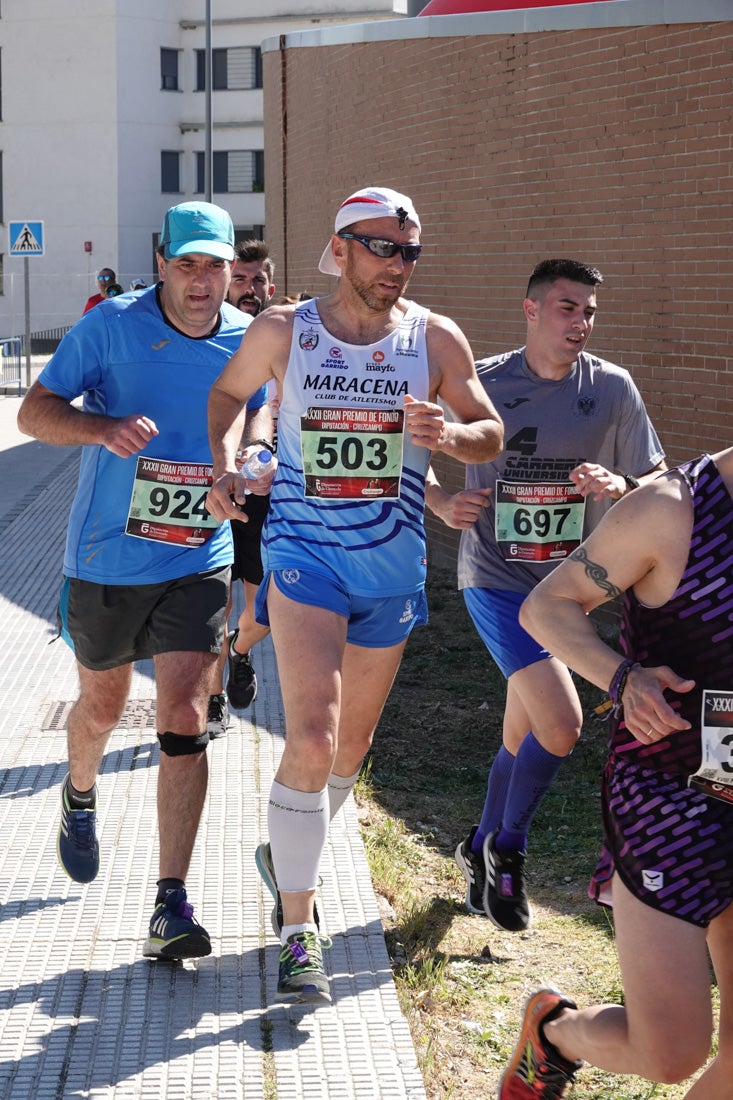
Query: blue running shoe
x=77 y=846
x=174 y=933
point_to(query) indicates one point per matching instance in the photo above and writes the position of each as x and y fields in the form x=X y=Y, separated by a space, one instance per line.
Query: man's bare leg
x=183 y=686
x=250 y=631
x=333 y=695
x=184 y=682
x=96 y=712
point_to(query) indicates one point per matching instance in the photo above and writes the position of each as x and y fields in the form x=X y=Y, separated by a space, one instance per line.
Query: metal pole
x=208 y=79
x=27 y=290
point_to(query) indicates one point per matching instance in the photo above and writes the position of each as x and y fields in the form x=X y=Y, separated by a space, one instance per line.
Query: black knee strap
x=177 y=744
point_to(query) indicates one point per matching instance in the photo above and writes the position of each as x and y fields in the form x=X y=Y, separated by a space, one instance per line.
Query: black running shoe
x=217 y=716
x=241 y=682
x=174 y=932
x=474 y=871
x=537 y=1070
x=505 y=893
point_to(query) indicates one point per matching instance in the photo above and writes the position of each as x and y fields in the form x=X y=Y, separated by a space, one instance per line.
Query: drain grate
x=138 y=714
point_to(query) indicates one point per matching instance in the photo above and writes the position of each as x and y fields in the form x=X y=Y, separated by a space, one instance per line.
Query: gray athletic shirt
x=594 y=414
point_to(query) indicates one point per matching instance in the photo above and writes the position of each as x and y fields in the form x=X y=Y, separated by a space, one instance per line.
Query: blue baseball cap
x=197 y=227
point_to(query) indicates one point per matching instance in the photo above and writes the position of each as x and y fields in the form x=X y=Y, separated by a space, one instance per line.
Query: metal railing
x=47 y=340
x=10 y=350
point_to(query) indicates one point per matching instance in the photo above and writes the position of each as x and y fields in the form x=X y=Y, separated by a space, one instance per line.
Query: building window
x=169 y=70
x=236 y=171
x=237 y=69
x=249 y=233
x=2 y=192
x=170 y=172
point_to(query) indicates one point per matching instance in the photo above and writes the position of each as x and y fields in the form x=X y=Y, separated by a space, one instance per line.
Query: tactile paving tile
x=82 y=1014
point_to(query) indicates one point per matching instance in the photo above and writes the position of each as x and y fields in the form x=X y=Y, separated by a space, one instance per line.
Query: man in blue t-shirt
x=146 y=568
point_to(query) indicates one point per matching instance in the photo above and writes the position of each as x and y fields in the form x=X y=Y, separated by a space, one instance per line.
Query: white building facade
x=103 y=127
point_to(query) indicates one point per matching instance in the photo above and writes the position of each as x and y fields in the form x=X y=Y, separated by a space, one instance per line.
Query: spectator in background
x=105 y=278
x=293 y=299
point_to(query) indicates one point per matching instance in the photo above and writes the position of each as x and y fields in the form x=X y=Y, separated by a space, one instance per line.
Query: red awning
x=457 y=7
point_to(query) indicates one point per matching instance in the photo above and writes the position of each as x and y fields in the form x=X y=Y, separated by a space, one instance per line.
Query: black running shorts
x=108 y=625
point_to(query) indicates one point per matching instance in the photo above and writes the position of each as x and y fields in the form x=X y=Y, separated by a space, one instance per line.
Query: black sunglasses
x=385 y=249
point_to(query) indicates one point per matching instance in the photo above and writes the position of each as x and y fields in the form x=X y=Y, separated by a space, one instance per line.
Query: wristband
x=618 y=683
x=261 y=443
x=631 y=482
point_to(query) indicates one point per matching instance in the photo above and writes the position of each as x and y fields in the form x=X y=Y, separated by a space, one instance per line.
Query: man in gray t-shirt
x=577 y=438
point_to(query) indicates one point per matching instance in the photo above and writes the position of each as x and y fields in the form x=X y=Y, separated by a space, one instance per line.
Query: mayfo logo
x=378 y=356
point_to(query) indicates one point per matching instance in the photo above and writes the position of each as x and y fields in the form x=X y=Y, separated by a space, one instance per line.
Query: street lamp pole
x=208 y=80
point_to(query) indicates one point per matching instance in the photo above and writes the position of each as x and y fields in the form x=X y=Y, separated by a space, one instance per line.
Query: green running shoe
x=302 y=979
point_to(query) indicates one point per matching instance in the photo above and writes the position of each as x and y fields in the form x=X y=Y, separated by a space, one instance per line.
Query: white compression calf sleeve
x=338 y=790
x=298 y=825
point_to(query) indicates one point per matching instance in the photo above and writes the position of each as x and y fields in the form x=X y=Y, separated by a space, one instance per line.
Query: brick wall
x=614 y=146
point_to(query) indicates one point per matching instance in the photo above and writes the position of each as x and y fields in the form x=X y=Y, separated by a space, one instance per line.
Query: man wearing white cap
x=360 y=371
x=146 y=569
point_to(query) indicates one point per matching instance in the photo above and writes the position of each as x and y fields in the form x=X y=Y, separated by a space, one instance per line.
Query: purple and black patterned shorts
x=672 y=845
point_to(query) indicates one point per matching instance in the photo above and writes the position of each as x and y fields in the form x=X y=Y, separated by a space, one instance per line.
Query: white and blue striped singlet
x=348 y=496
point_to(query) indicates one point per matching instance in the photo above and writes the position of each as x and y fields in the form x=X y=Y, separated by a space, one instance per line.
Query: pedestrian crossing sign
x=26 y=238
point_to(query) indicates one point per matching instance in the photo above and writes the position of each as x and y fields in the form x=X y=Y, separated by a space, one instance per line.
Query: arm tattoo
x=596 y=573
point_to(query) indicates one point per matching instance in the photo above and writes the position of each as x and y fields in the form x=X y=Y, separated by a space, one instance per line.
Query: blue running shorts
x=374 y=622
x=495 y=615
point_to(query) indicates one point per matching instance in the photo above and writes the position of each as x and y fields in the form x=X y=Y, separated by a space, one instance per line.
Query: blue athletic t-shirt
x=125 y=358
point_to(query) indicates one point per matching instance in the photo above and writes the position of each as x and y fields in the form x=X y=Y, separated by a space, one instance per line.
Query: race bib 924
x=168 y=502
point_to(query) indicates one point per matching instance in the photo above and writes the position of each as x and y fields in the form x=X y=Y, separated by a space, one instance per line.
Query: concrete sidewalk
x=82 y=1014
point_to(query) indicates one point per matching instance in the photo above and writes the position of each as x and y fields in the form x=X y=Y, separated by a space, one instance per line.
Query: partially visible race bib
x=538 y=521
x=715 y=774
x=352 y=454
x=168 y=502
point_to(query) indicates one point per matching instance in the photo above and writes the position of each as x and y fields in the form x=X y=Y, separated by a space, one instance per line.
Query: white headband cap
x=370 y=202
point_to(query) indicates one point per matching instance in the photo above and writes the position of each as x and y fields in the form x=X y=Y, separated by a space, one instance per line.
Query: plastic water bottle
x=258 y=463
